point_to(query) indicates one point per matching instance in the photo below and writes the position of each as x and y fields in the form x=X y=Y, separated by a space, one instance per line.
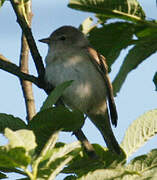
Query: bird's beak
x=45 y=40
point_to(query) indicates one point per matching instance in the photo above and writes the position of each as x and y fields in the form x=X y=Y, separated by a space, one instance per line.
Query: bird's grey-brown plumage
x=70 y=57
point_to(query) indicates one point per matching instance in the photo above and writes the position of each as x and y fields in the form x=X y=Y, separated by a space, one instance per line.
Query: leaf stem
x=49 y=145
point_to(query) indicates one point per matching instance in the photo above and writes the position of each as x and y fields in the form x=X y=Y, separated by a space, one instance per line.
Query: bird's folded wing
x=100 y=63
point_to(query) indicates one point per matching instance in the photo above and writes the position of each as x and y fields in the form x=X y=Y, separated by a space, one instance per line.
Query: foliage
x=155 y=80
x=49 y=160
x=38 y=148
x=49 y=157
x=112 y=36
x=1 y=2
x=33 y=150
x=140 y=131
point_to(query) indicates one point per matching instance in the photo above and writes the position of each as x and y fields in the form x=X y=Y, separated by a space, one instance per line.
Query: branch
x=24 y=57
x=6 y=65
x=86 y=144
x=26 y=85
x=22 y=20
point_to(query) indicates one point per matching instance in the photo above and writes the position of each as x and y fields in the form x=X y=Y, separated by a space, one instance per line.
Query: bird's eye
x=62 y=38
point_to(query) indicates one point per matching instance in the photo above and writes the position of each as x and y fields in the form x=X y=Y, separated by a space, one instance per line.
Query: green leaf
x=144 y=48
x=55 y=95
x=2 y=176
x=140 y=131
x=86 y=25
x=110 y=39
x=63 y=156
x=21 y=138
x=1 y=3
x=11 y=122
x=22 y=1
x=155 y=80
x=105 y=174
x=128 y=10
x=144 y=30
x=82 y=164
x=15 y=170
x=71 y=177
x=47 y=151
x=145 y=166
x=109 y=158
x=52 y=171
x=55 y=159
x=46 y=122
x=62 y=150
x=14 y=157
x=57 y=118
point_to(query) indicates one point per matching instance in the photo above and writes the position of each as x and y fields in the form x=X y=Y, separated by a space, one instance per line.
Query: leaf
x=144 y=30
x=21 y=138
x=54 y=161
x=81 y=164
x=110 y=159
x=22 y=1
x=71 y=177
x=128 y=10
x=45 y=153
x=155 y=80
x=57 y=118
x=11 y=122
x=106 y=174
x=110 y=39
x=63 y=156
x=63 y=161
x=2 y=176
x=14 y=157
x=145 y=166
x=1 y=3
x=62 y=150
x=49 y=147
x=140 y=131
x=15 y=170
x=51 y=173
x=46 y=122
x=86 y=25
x=55 y=95
x=143 y=49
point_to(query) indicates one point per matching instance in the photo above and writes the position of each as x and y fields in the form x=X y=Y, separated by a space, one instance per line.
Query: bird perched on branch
x=70 y=57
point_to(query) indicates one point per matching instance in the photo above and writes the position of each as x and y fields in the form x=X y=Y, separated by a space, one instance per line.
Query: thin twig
x=24 y=57
x=12 y=68
x=86 y=144
x=26 y=85
x=28 y=34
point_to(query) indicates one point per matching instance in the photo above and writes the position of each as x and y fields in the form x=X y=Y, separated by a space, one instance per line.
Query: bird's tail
x=102 y=122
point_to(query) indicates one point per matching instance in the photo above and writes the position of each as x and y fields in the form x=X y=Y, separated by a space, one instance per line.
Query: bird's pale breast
x=88 y=88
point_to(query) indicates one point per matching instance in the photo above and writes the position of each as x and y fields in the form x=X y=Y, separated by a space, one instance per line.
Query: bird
x=71 y=57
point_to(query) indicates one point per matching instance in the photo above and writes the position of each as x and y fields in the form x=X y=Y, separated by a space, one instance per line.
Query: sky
x=136 y=97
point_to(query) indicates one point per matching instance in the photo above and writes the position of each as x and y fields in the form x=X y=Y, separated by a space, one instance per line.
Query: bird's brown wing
x=100 y=63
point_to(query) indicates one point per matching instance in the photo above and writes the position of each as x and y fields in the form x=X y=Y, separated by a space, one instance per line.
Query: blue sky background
x=135 y=98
